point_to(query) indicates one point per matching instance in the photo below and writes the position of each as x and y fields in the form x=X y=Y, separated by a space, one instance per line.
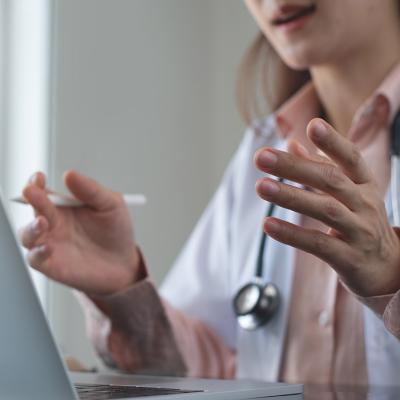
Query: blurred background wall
x=142 y=99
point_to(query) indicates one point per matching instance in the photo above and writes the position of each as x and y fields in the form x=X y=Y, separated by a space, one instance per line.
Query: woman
x=339 y=268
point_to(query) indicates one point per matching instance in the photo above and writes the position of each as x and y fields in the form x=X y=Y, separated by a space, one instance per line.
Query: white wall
x=24 y=103
x=143 y=100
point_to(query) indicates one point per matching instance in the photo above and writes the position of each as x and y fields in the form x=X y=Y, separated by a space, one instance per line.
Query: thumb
x=89 y=191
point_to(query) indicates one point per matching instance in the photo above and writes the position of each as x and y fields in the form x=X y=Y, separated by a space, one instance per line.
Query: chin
x=301 y=59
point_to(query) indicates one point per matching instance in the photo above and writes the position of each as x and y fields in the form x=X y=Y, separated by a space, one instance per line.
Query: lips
x=290 y=13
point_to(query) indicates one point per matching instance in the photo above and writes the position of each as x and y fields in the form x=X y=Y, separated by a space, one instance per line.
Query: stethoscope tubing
x=395 y=188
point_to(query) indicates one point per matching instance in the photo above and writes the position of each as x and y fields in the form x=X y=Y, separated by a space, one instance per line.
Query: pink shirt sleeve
x=135 y=331
x=388 y=308
x=391 y=315
x=204 y=353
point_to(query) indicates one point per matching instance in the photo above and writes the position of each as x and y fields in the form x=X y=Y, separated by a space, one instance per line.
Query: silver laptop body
x=31 y=366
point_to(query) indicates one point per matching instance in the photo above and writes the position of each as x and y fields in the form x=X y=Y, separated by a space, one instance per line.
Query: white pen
x=61 y=200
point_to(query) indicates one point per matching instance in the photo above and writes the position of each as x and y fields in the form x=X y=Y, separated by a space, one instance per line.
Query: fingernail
x=382 y=107
x=379 y=102
x=272 y=226
x=42 y=248
x=319 y=131
x=268 y=159
x=377 y=106
x=32 y=179
x=36 y=228
x=269 y=187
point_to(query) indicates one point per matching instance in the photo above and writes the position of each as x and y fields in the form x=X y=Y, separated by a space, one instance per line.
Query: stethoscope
x=257 y=302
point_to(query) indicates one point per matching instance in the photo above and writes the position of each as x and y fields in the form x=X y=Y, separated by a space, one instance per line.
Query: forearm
x=136 y=331
x=131 y=331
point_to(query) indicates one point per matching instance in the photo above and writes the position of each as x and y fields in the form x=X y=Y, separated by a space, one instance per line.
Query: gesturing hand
x=90 y=248
x=360 y=245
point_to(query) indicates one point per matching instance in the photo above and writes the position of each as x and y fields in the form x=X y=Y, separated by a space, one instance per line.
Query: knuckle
x=37 y=257
x=372 y=203
x=92 y=193
x=23 y=238
x=385 y=251
x=21 y=233
x=332 y=210
x=319 y=244
x=287 y=160
x=368 y=235
x=289 y=236
x=27 y=242
x=355 y=158
x=26 y=237
x=291 y=161
x=290 y=197
x=333 y=178
x=33 y=260
x=355 y=262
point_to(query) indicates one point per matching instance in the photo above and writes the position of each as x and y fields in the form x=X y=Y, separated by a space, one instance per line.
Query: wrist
x=139 y=267
x=135 y=271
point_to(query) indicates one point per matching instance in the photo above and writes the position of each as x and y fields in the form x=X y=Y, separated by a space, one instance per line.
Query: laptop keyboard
x=108 y=392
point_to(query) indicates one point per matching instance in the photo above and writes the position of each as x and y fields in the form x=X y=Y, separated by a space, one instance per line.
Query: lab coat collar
x=293 y=116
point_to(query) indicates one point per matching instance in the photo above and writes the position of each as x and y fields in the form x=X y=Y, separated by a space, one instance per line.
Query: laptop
x=31 y=366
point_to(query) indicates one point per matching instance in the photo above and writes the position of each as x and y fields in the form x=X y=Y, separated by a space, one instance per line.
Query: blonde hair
x=265 y=82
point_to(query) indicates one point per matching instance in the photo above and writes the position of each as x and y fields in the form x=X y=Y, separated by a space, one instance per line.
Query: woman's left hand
x=360 y=245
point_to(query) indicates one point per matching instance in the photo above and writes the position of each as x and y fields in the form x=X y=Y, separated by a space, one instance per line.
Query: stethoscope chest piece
x=255 y=304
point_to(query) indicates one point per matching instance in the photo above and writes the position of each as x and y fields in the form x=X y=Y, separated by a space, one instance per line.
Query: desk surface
x=325 y=392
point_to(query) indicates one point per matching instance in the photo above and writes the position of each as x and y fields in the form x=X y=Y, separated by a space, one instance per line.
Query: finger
x=38 y=258
x=341 y=150
x=38 y=179
x=322 y=207
x=31 y=234
x=371 y=118
x=90 y=192
x=294 y=147
x=323 y=176
x=297 y=149
x=40 y=202
x=330 y=249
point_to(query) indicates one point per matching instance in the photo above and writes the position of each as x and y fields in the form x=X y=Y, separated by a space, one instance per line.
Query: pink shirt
x=137 y=331
x=325 y=321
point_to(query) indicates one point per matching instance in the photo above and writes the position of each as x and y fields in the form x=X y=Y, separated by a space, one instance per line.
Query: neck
x=345 y=85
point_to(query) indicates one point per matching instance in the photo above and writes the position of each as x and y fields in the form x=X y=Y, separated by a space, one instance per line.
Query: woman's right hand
x=90 y=248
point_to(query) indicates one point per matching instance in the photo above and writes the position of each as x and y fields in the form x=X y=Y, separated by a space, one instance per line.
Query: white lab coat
x=220 y=256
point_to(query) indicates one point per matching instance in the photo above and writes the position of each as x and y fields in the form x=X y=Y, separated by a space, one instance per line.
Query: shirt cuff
x=391 y=316
x=386 y=307
x=131 y=330
x=377 y=304
x=140 y=338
